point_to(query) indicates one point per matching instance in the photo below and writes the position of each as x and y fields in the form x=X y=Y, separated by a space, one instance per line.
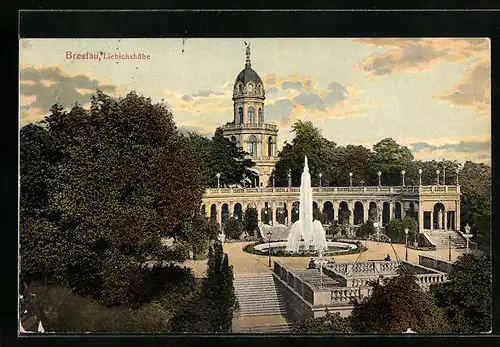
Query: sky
x=432 y=95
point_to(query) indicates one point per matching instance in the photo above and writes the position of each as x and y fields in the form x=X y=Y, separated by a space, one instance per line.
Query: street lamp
x=467 y=235
x=350 y=179
x=420 y=176
x=406 y=243
x=320 y=262
x=218 y=180
x=269 y=233
x=379 y=174
x=289 y=177
x=273 y=182
x=444 y=173
x=320 y=175
x=457 y=171
x=362 y=183
x=437 y=173
x=403 y=173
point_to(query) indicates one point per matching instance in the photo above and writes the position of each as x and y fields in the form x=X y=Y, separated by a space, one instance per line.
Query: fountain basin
x=279 y=249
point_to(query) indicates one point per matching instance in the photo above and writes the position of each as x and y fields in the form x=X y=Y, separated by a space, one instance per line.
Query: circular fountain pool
x=279 y=249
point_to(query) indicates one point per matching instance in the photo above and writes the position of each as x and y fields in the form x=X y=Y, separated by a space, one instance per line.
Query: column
x=445 y=219
x=432 y=220
x=391 y=207
x=380 y=207
x=259 y=212
x=218 y=213
x=366 y=205
x=335 y=210
x=440 y=219
x=420 y=218
x=351 y=216
x=289 y=213
x=273 y=212
x=231 y=209
x=403 y=214
x=457 y=215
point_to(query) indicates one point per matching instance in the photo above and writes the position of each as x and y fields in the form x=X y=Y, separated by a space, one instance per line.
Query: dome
x=248 y=82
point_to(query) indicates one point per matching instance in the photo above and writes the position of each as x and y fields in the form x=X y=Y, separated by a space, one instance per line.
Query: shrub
x=233 y=228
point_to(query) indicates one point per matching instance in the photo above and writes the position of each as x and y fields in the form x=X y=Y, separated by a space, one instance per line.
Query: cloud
x=204 y=93
x=42 y=87
x=412 y=55
x=310 y=101
x=297 y=85
x=473 y=91
x=475 y=148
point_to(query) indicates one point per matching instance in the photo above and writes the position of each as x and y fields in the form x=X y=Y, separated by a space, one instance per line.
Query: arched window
x=240 y=114
x=251 y=114
x=233 y=139
x=260 y=116
x=270 y=146
x=252 y=146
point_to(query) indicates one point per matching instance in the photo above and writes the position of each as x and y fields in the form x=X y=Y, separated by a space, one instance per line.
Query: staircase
x=283 y=328
x=440 y=238
x=257 y=295
x=260 y=307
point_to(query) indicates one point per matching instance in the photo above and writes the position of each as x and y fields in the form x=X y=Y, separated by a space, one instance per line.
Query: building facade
x=248 y=128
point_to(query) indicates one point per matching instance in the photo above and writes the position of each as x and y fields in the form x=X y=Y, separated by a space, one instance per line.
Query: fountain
x=311 y=232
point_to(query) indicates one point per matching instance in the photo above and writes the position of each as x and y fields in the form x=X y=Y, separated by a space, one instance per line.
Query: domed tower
x=248 y=128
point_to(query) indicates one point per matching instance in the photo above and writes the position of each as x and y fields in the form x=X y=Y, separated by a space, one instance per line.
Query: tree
x=475 y=186
x=365 y=230
x=233 y=228
x=115 y=179
x=390 y=158
x=466 y=297
x=395 y=229
x=198 y=232
x=330 y=323
x=251 y=220
x=395 y=305
x=318 y=215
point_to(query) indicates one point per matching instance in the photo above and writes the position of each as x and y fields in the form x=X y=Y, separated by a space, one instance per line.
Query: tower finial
x=247 y=63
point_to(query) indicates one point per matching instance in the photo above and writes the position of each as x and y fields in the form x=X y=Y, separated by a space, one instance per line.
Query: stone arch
x=252 y=146
x=385 y=213
x=439 y=215
x=233 y=139
x=397 y=210
x=328 y=211
x=213 y=212
x=372 y=211
x=238 y=211
x=251 y=115
x=225 y=212
x=343 y=210
x=266 y=213
x=359 y=217
x=295 y=211
x=281 y=212
x=251 y=204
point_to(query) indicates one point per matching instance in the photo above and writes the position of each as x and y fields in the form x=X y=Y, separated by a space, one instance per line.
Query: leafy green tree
x=395 y=229
x=116 y=178
x=390 y=158
x=318 y=215
x=395 y=305
x=466 y=298
x=198 y=232
x=251 y=220
x=475 y=186
x=330 y=323
x=234 y=228
x=365 y=230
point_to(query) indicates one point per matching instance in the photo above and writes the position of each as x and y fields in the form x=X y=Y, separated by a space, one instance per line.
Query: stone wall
x=297 y=308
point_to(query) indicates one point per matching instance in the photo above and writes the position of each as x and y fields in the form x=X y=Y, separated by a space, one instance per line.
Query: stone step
x=257 y=300
x=270 y=328
x=253 y=306
x=260 y=313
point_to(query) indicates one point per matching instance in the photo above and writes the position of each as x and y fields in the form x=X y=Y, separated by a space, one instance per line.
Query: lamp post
x=320 y=175
x=437 y=173
x=444 y=173
x=320 y=262
x=457 y=171
x=269 y=233
x=289 y=177
x=419 y=177
x=218 y=180
x=403 y=174
x=449 y=247
x=406 y=244
x=467 y=235
x=379 y=174
x=273 y=182
x=362 y=183
x=350 y=179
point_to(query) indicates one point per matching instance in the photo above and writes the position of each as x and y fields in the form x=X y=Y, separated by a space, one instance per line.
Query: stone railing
x=340 y=190
x=294 y=281
x=365 y=268
x=435 y=263
x=232 y=126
